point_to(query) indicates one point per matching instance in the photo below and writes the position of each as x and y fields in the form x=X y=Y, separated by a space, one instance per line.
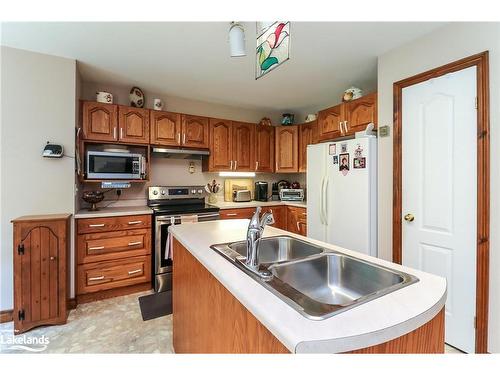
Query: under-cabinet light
x=236 y=174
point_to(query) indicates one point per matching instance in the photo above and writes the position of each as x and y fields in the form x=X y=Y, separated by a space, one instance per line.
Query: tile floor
x=109 y=326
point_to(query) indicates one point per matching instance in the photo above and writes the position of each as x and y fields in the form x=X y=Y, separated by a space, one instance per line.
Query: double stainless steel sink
x=316 y=282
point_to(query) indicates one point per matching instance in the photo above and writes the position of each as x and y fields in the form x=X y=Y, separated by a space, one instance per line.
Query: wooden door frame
x=480 y=61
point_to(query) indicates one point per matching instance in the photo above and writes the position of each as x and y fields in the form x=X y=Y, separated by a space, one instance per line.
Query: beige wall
x=38 y=105
x=182 y=105
x=450 y=43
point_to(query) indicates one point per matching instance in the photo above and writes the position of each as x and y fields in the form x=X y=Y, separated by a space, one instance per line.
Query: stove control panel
x=175 y=192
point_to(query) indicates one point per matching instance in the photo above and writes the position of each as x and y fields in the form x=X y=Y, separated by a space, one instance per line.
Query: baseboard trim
x=5 y=316
x=105 y=294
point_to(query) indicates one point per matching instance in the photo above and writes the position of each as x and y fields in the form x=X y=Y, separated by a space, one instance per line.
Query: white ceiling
x=191 y=60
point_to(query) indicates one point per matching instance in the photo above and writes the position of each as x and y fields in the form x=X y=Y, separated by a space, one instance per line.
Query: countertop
x=371 y=323
x=114 y=211
x=227 y=205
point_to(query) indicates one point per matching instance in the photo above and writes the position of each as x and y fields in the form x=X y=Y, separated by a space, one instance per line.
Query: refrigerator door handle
x=324 y=209
x=321 y=198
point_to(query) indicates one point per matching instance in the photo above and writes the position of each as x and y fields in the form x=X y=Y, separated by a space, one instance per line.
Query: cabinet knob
x=52 y=258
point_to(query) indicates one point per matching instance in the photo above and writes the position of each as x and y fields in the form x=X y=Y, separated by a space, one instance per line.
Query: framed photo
x=333 y=149
x=335 y=159
x=344 y=163
x=343 y=147
x=359 y=163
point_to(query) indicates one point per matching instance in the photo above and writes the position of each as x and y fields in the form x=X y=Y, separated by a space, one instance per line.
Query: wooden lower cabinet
x=41 y=270
x=297 y=220
x=237 y=213
x=113 y=256
x=279 y=214
x=219 y=323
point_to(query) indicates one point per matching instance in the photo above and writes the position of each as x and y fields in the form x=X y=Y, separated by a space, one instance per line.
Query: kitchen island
x=217 y=308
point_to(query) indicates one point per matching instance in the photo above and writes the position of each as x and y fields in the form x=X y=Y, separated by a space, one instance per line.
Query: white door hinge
x=475 y=102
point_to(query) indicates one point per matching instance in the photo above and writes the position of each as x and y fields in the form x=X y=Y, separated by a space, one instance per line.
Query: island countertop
x=372 y=323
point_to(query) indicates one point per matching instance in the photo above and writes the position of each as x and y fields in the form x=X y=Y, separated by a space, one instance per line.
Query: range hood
x=179 y=153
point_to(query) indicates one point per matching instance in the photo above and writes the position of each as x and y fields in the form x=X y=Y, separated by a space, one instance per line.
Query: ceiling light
x=237 y=40
x=236 y=174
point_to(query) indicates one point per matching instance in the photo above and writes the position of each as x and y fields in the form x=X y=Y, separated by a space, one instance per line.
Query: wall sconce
x=237 y=40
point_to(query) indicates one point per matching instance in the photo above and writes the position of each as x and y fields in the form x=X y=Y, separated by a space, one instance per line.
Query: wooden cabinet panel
x=99 y=121
x=134 y=124
x=237 y=213
x=96 y=247
x=307 y=136
x=287 y=149
x=94 y=277
x=360 y=112
x=41 y=271
x=221 y=145
x=329 y=121
x=107 y=224
x=297 y=220
x=194 y=131
x=243 y=146
x=165 y=128
x=279 y=214
x=264 y=150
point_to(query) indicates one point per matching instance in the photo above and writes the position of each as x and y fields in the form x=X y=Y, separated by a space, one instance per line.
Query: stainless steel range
x=171 y=205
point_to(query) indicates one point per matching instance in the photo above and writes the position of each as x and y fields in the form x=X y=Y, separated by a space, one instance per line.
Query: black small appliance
x=261 y=191
x=275 y=192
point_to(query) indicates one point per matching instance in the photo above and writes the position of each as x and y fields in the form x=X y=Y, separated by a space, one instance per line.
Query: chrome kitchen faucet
x=254 y=234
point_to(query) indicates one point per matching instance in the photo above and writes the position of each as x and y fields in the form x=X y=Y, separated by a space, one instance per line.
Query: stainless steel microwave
x=115 y=165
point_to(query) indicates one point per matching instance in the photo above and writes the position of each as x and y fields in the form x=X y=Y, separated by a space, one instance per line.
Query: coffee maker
x=261 y=191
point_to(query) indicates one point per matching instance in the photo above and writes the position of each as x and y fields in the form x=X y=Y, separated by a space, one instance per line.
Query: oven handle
x=168 y=219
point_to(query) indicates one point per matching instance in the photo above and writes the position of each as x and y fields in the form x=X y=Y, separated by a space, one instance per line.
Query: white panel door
x=439 y=176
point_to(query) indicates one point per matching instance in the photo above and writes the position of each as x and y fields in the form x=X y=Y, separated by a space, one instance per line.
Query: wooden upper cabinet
x=360 y=112
x=165 y=128
x=134 y=124
x=264 y=148
x=243 y=146
x=41 y=270
x=287 y=138
x=307 y=136
x=221 y=145
x=329 y=123
x=194 y=131
x=99 y=121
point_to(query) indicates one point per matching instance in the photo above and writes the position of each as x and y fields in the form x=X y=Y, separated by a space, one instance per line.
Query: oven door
x=162 y=261
x=113 y=165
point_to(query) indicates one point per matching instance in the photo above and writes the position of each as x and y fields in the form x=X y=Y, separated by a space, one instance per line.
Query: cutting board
x=231 y=184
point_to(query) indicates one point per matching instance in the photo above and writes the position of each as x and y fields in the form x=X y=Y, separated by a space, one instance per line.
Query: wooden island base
x=207 y=318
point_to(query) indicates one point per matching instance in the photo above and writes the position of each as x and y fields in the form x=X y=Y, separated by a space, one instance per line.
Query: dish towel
x=169 y=242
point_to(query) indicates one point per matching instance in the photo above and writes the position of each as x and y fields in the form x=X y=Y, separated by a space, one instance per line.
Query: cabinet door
x=279 y=214
x=296 y=220
x=39 y=274
x=99 y=121
x=287 y=149
x=307 y=136
x=360 y=112
x=264 y=151
x=194 y=131
x=243 y=146
x=134 y=124
x=221 y=145
x=165 y=128
x=329 y=121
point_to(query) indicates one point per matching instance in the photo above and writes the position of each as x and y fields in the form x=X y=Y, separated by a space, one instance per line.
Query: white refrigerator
x=342 y=193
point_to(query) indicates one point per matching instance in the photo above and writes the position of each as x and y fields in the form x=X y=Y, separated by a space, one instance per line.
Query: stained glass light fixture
x=237 y=40
x=273 y=47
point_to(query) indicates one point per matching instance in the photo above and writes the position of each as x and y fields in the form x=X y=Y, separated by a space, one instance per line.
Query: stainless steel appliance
x=171 y=205
x=115 y=165
x=242 y=196
x=261 y=188
x=292 y=194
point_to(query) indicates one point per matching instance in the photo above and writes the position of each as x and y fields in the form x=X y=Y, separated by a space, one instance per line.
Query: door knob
x=409 y=217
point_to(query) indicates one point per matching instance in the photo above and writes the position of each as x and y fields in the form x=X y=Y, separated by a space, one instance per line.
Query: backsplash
x=176 y=172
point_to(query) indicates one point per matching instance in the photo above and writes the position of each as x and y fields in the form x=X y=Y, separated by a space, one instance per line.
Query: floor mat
x=156 y=305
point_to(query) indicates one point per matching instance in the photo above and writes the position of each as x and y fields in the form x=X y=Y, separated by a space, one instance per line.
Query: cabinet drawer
x=107 y=224
x=96 y=247
x=113 y=274
x=237 y=213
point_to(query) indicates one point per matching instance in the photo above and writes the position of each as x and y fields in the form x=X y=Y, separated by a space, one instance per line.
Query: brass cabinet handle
x=135 y=243
x=179 y=138
x=96 y=278
x=95 y=225
x=235 y=164
x=121 y=132
x=409 y=217
x=256 y=165
x=341 y=128
x=134 y=271
x=298 y=226
x=96 y=248
x=134 y=222
x=184 y=139
x=231 y=214
x=114 y=132
x=231 y=165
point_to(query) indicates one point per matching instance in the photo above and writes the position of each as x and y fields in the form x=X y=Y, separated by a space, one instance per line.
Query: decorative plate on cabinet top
x=136 y=97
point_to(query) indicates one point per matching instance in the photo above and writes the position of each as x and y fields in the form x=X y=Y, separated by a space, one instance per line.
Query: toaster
x=242 y=196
